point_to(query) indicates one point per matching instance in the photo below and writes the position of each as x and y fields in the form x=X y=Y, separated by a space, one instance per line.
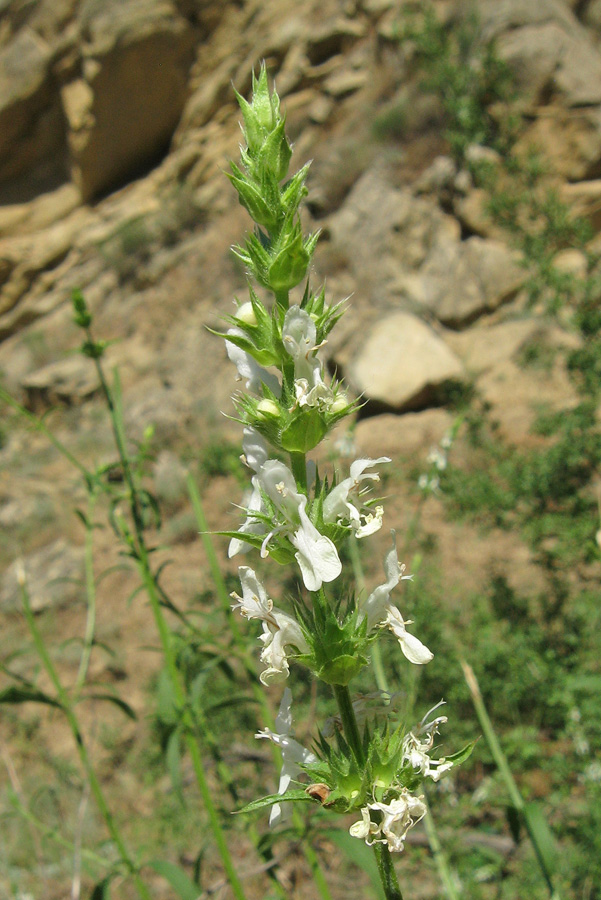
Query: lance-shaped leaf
x=253 y=199
x=27 y=694
x=292 y=796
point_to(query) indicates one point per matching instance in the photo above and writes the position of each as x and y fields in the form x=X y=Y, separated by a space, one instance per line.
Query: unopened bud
x=268 y=408
x=246 y=313
x=339 y=404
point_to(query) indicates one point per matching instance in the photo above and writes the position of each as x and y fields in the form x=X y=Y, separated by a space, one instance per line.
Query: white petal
x=283 y=721
x=255 y=448
x=317 y=555
x=335 y=505
x=250 y=369
x=278 y=482
x=362 y=828
x=298 y=332
x=360 y=465
x=276 y=816
x=414 y=650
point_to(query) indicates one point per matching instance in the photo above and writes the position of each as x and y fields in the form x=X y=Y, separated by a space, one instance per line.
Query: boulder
x=461 y=281
x=585 y=200
x=69 y=381
x=32 y=125
x=553 y=58
x=54 y=577
x=407 y=436
x=513 y=388
x=570 y=140
x=386 y=233
x=402 y=364
x=124 y=110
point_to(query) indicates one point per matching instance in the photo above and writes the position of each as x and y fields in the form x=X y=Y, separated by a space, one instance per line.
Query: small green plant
x=466 y=74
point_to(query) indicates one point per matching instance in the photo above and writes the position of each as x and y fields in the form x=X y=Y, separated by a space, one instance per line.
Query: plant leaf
x=112 y=698
x=173 y=760
x=541 y=837
x=28 y=694
x=274 y=798
x=102 y=890
x=462 y=755
x=360 y=854
x=181 y=883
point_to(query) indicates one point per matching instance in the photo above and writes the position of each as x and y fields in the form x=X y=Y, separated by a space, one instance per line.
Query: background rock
x=32 y=124
x=124 y=110
x=54 y=577
x=402 y=364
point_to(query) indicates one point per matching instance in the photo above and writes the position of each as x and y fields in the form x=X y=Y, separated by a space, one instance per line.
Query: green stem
x=388 y=877
x=55 y=836
x=40 y=425
x=282 y=299
x=503 y=766
x=82 y=751
x=440 y=859
x=444 y=872
x=298 y=464
x=247 y=661
x=349 y=722
x=187 y=720
x=376 y=654
x=114 y=407
x=88 y=641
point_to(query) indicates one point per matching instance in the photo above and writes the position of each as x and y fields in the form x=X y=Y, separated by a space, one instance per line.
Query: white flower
x=316 y=554
x=343 y=503
x=293 y=753
x=299 y=336
x=378 y=603
x=394 y=819
x=278 y=482
x=318 y=394
x=399 y=816
x=416 y=751
x=249 y=368
x=412 y=647
x=254 y=602
x=280 y=630
x=255 y=455
x=379 y=610
x=365 y=829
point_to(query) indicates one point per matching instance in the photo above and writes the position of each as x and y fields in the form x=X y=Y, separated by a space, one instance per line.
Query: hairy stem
x=349 y=722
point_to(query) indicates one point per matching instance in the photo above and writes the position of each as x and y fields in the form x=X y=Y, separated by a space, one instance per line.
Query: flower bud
x=339 y=404
x=246 y=313
x=268 y=409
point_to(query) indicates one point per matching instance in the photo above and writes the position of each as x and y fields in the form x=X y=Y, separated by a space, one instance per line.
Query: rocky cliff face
x=117 y=118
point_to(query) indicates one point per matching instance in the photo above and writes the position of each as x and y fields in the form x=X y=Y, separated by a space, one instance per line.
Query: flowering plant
x=294 y=515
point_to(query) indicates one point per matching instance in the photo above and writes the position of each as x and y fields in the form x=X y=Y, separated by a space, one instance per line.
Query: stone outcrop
x=54 y=577
x=97 y=90
x=556 y=64
x=124 y=109
x=402 y=364
x=32 y=123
